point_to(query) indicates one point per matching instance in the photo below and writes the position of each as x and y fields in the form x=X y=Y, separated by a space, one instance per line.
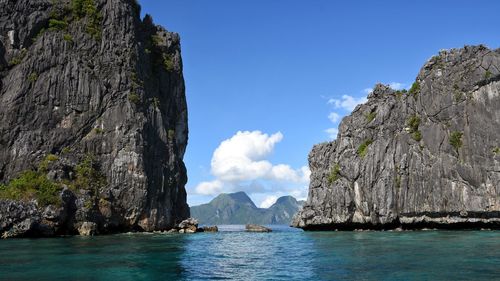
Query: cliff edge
x=427 y=157
x=93 y=119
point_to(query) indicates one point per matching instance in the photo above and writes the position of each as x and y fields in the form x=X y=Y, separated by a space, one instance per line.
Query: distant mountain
x=238 y=208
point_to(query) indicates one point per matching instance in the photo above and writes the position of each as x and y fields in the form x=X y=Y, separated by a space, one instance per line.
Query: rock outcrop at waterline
x=93 y=119
x=427 y=157
x=256 y=228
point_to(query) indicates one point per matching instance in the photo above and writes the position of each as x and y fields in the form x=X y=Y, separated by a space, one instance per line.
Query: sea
x=233 y=254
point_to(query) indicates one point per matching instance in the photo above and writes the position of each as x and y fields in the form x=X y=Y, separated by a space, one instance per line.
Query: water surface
x=284 y=254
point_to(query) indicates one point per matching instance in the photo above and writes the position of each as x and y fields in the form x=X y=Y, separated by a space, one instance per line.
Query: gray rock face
x=27 y=219
x=105 y=84
x=189 y=225
x=429 y=157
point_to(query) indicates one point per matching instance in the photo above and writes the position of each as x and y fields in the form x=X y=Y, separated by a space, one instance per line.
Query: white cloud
x=397 y=85
x=306 y=174
x=240 y=163
x=299 y=194
x=347 y=102
x=284 y=172
x=268 y=201
x=334 y=117
x=240 y=157
x=332 y=133
x=209 y=187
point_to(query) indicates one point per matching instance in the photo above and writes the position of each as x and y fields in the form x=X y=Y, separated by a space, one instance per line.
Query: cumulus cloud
x=334 y=117
x=284 y=172
x=397 y=85
x=240 y=162
x=332 y=133
x=268 y=201
x=210 y=187
x=347 y=102
x=306 y=174
x=299 y=194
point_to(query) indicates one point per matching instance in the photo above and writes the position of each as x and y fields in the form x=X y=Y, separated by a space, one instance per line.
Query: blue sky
x=283 y=73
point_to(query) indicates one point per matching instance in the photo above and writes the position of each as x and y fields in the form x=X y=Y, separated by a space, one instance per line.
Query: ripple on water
x=284 y=254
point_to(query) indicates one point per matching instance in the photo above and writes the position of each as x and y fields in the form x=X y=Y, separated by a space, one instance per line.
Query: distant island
x=238 y=208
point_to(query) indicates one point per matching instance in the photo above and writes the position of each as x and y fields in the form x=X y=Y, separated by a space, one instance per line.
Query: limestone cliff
x=427 y=157
x=93 y=119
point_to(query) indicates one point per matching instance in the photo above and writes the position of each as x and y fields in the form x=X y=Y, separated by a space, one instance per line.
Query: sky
x=268 y=79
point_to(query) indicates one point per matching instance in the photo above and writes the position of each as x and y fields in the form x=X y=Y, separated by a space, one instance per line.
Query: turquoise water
x=285 y=254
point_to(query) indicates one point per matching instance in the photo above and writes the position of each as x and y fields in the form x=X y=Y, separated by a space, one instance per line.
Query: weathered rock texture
x=105 y=84
x=429 y=157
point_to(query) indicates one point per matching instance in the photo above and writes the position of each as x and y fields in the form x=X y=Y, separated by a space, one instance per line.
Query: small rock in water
x=256 y=228
x=208 y=229
x=188 y=222
x=189 y=225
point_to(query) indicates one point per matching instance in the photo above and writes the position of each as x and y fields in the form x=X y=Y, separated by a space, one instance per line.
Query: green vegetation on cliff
x=456 y=140
x=415 y=89
x=363 y=148
x=32 y=185
x=89 y=9
x=414 y=123
x=36 y=185
x=334 y=174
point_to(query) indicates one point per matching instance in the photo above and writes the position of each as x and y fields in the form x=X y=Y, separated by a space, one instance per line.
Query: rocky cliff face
x=429 y=157
x=93 y=119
